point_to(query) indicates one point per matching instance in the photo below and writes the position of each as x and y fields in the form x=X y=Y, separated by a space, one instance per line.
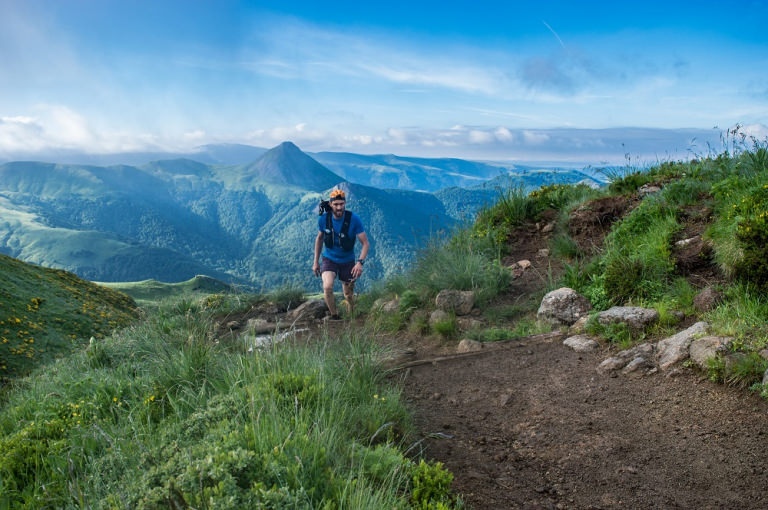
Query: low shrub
x=491 y=334
x=431 y=487
x=287 y=297
x=446 y=328
x=742 y=370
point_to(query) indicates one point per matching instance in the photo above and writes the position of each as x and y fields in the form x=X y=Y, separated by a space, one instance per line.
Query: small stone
x=524 y=264
x=468 y=345
x=581 y=343
x=579 y=326
x=611 y=365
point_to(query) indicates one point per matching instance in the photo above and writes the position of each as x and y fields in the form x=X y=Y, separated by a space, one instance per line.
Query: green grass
x=47 y=313
x=149 y=292
x=161 y=415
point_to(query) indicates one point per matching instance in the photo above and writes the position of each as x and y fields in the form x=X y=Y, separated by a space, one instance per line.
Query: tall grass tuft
x=460 y=264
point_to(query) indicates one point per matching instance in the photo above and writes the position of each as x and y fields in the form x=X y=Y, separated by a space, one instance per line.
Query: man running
x=337 y=230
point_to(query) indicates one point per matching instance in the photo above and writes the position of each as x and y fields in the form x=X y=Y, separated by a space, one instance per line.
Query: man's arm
x=318 y=249
x=363 y=238
x=357 y=270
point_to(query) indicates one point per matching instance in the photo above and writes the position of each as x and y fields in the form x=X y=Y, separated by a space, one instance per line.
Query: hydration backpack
x=347 y=242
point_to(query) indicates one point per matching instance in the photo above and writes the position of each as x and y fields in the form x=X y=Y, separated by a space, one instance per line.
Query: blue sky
x=554 y=81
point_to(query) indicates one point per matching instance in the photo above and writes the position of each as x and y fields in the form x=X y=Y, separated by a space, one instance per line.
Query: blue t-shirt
x=337 y=253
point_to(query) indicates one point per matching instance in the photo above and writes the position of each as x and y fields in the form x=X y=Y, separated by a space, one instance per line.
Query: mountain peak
x=286 y=164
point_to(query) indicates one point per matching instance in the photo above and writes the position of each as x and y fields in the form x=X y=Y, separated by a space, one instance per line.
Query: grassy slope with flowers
x=46 y=313
x=160 y=414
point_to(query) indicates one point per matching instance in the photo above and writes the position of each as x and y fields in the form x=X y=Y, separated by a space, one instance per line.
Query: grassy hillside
x=654 y=237
x=152 y=291
x=165 y=415
x=46 y=313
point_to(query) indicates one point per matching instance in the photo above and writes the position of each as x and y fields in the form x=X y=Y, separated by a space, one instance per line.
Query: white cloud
x=757 y=131
x=503 y=134
x=480 y=137
x=195 y=136
x=535 y=137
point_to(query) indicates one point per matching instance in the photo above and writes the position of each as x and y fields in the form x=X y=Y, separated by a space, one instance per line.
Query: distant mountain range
x=250 y=223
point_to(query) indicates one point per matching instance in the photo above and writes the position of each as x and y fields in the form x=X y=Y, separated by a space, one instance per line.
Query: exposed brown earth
x=534 y=426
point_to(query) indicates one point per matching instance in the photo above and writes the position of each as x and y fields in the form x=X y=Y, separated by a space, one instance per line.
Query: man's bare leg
x=349 y=296
x=330 y=300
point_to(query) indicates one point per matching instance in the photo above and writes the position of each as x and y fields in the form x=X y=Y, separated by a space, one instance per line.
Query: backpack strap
x=328 y=234
x=347 y=243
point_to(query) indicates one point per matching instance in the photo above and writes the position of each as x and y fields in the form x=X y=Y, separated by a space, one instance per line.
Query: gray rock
x=732 y=359
x=763 y=353
x=524 y=264
x=707 y=299
x=563 y=307
x=311 y=309
x=468 y=345
x=677 y=347
x=644 y=350
x=579 y=326
x=391 y=306
x=581 y=343
x=635 y=366
x=647 y=189
x=257 y=323
x=708 y=347
x=383 y=305
x=611 y=365
x=458 y=301
x=467 y=323
x=685 y=242
x=765 y=378
x=635 y=317
x=623 y=358
x=438 y=316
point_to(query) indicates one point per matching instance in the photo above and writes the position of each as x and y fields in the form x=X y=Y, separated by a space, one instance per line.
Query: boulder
x=467 y=323
x=581 y=343
x=622 y=358
x=524 y=264
x=383 y=305
x=611 y=365
x=637 y=366
x=563 y=307
x=438 y=316
x=578 y=327
x=708 y=347
x=707 y=299
x=458 y=301
x=635 y=317
x=468 y=345
x=677 y=347
x=311 y=309
x=648 y=189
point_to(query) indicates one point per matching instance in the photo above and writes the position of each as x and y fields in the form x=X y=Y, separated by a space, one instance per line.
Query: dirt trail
x=534 y=426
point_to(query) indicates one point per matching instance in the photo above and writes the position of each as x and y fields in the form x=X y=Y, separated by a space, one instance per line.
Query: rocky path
x=533 y=425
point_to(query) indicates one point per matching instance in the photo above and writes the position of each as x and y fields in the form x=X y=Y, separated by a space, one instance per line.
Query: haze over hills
x=252 y=223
